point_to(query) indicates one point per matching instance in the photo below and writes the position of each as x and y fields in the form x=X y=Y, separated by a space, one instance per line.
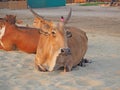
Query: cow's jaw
x=53 y=61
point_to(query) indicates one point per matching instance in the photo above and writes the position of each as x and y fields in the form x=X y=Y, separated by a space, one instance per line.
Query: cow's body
x=19 y=38
x=78 y=44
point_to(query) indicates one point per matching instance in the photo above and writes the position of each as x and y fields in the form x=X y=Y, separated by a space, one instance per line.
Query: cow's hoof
x=41 y=68
x=83 y=62
x=86 y=60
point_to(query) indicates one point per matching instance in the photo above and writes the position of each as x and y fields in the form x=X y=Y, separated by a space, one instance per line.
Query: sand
x=102 y=25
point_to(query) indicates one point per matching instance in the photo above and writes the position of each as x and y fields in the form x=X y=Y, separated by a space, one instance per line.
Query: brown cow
x=13 y=37
x=56 y=50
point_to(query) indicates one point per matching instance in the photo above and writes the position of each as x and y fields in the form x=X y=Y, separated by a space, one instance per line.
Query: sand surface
x=102 y=25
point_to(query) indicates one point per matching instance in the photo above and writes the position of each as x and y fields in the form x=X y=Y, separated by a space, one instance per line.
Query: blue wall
x=46 y=3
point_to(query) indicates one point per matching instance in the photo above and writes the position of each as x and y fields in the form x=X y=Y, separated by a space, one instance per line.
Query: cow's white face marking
x=53 y=61
x=2 y=32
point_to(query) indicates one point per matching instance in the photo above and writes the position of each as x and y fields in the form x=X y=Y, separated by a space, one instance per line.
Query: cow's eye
x=69 y=34
x=53 y=32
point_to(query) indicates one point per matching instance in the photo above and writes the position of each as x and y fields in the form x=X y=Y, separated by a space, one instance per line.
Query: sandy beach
x=102 y=25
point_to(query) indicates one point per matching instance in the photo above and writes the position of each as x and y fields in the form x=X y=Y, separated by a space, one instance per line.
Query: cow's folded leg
x=1 y=47
x=67 y=68
x=41 y=68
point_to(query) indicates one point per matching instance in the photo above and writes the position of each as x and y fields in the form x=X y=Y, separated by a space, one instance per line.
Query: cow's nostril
x=69 y=50
x=66 y=51
x=62 y=50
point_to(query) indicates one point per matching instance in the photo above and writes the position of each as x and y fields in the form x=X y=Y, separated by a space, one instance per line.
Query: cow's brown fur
x=78 y=44
x=19 y=38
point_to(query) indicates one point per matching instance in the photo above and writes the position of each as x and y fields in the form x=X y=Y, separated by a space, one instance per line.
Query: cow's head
x=58 y=35
x=39 y=21
x=53 y=42
x=11 y=19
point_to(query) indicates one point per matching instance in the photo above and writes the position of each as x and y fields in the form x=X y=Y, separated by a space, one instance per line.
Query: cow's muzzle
x=65 y=51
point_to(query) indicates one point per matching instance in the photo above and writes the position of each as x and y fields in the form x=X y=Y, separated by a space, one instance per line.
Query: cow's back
x=78 y=44
x=30 y=37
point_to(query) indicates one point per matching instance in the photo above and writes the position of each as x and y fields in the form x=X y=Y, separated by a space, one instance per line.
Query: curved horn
x=33 y=12
x=68 y=17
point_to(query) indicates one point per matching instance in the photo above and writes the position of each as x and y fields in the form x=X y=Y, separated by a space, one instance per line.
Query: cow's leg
x=39 y=67
x=36 y=67
x=67 y=68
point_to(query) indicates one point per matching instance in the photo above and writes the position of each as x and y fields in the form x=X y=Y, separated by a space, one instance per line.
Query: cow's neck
x=2 y=32
x=10 y=28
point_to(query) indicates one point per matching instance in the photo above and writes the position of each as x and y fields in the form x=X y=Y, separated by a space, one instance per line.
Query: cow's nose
x=65 y=51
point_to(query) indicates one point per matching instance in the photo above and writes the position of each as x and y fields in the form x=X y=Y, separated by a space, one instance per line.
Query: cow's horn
x=34 y=12
x=68 y=17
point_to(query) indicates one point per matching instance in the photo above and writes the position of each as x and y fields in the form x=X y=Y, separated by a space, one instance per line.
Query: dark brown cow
x=56 y=50
x=78 y=44
x=13 y=37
